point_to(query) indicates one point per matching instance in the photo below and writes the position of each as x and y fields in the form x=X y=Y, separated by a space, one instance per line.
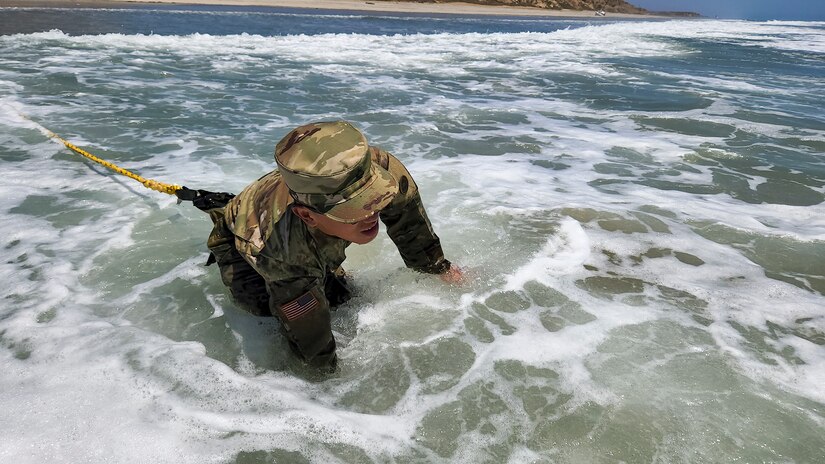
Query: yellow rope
x=169 y=189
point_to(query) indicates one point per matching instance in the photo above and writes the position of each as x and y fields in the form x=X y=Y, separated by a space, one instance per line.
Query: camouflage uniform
x=275 y=265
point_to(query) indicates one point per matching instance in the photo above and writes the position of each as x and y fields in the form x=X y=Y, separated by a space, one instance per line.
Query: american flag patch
x=299 y=306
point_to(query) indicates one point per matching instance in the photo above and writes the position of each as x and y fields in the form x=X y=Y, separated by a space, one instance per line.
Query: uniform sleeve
x=305 y=316
x=297 y=298
x=407 y=223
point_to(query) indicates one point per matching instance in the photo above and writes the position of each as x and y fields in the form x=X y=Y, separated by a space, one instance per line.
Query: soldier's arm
x=305 y=317
x=297 y=298
x=407 y=223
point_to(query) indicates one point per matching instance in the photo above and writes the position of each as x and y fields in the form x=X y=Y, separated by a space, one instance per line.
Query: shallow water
x=638 y=207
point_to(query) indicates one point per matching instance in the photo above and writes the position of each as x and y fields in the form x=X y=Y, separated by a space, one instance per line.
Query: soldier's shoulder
x=253 y=213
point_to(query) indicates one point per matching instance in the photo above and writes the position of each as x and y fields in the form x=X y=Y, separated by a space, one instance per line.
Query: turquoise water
x=638 y=207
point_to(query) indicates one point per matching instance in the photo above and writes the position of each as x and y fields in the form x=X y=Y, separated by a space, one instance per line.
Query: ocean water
x=638 y=208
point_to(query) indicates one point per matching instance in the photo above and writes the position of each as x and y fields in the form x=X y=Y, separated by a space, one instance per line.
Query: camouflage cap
x=327 y=166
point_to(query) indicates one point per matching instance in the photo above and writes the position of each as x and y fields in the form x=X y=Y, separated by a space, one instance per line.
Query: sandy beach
x=347 y=5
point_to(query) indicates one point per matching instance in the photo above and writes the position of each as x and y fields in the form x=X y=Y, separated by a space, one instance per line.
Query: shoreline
x=377 y=6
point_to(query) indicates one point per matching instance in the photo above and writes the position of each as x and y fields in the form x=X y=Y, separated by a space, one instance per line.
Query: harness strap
x=204 y=200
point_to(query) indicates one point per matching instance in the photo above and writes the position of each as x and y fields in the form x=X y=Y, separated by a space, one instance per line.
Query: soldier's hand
x=453 y=275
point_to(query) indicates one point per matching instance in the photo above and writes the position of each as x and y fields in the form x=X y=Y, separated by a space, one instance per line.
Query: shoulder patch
x=300 y=306
x=403 y=185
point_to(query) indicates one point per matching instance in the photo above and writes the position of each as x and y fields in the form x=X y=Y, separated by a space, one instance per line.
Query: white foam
x=563 y=254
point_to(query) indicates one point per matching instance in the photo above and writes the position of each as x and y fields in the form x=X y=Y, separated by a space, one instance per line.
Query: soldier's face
x=361 y=232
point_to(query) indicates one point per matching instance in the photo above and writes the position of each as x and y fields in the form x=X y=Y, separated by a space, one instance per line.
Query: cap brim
x=374 y=196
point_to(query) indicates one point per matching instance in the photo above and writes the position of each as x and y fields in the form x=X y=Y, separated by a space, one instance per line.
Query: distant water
x=638 y=207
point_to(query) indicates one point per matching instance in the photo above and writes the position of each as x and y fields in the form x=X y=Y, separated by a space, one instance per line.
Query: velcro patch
x=300 y=306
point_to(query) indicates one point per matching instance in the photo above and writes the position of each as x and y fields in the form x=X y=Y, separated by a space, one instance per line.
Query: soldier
x=280 y=243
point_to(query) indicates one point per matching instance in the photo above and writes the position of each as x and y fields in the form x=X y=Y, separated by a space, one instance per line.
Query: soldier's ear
x=305 y=214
